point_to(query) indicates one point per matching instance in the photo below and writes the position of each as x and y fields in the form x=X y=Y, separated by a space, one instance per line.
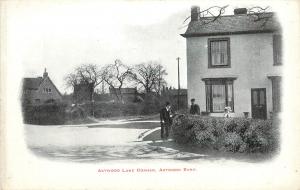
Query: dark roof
x=32 y=83
x=233 y=24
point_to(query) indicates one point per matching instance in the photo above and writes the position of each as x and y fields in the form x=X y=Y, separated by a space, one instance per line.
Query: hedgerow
x=227 y=134
x=45 y=114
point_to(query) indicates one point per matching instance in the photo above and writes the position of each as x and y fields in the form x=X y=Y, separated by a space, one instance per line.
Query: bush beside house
x=227 y=134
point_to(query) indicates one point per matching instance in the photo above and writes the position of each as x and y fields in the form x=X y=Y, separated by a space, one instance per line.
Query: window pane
x=218 y=95
x=219 y=54
x=230 y=96
x=262 y=97
x=254 y=98
x=208 y=100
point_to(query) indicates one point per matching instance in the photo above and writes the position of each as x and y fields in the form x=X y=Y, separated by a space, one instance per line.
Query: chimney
x=195 y=11
x=45 y=74
x=240 y=11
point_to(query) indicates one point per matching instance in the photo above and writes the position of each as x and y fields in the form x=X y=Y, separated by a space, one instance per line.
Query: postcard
x=149 y=95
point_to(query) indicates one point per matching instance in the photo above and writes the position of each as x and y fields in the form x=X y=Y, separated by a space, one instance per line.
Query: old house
x=235 y=61
x=40 y=90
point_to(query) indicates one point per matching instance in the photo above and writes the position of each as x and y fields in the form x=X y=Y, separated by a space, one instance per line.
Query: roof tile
x=230 y=24
x=32 y=83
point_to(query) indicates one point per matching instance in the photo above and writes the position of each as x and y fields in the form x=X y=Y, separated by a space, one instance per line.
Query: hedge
x=45 y=114
x=113 y=109
x=227 y=134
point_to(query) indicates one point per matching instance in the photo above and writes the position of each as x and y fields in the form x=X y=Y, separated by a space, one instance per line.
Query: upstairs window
x=218 y=52
x=277 y=49
x=47 y=90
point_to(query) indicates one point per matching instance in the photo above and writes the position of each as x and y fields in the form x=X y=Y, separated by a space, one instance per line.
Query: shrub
x=260 y=136
x=181 y=127
x=227 y=134
x=232 y=141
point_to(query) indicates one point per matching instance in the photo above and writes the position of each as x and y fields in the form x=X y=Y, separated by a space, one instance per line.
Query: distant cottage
x=235 y=61
x=40 y=90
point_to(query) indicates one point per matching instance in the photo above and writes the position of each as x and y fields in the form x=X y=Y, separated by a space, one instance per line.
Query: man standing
x=165 y=120
x=195 y=110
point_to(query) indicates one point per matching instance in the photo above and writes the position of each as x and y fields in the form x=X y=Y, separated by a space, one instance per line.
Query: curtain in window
x=219 y=53
x=219 y=97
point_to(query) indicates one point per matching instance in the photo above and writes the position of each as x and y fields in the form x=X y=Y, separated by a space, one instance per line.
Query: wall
x=46 y=96
x=251 y=63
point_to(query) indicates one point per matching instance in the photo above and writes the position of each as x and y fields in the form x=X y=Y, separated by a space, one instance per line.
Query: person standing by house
x=165 y=120
x=195 y=110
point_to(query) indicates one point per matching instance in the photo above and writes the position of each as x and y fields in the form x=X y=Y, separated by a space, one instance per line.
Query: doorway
x=258 y=103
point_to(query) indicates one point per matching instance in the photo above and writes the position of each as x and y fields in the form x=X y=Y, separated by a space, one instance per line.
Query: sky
x=61 y=36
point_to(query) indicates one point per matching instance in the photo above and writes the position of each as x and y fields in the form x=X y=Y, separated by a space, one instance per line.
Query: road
x=103 y=141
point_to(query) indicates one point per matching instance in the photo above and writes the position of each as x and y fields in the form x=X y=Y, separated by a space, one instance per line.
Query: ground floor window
x=219 y=94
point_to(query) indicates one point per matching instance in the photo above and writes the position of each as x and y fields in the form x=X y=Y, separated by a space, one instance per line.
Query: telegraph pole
x=178 y=90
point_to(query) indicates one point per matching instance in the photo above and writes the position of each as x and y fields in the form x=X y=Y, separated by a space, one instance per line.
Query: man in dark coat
x=165 y=120
x=195 y=110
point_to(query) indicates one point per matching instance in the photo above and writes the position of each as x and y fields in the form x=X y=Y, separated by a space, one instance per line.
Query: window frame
x=47 y=91
x=277 y=49
x=210 y=65
x=208 y=92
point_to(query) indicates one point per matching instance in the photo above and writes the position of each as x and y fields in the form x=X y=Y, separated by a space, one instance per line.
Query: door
x=258 y=103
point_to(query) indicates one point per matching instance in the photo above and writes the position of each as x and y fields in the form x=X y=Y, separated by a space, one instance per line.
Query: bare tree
x=87 y=73
x=71 y=80
x=116 y=75
x=150 y=76
x=90 y=73
x=259 y=14
x=211 y=14
x=161 y=81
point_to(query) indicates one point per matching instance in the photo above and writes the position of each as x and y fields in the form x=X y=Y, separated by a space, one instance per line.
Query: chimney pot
x=240 y=11
x=195 y=11
x=45 y=73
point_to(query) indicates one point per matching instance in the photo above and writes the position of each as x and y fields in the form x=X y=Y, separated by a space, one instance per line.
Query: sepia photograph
x=124 y=106
x=153 y=89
